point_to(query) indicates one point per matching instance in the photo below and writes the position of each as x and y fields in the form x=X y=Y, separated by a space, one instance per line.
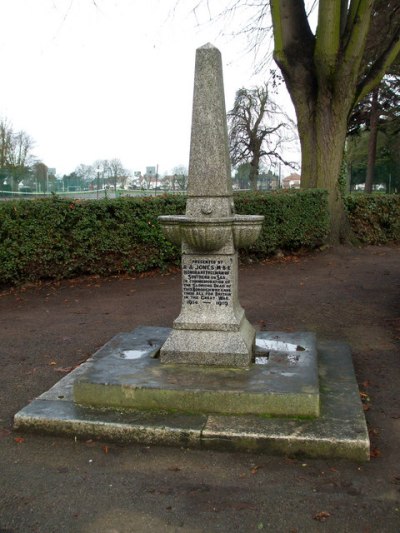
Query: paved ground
x=50 y=484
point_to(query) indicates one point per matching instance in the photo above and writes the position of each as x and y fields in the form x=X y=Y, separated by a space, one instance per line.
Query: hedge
x=374 y=218
x=57 y=238
x=292 y=219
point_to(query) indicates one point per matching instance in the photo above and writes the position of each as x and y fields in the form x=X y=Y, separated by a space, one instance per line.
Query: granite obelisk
x=212 y=328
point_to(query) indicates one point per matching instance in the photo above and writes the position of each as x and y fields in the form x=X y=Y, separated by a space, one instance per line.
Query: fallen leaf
x=244 y=505
x=322 y=516
x=255 y=469
x=375 y=453
x=19 y=440
x=65 y=370
x=52 y=363
x=105 y=449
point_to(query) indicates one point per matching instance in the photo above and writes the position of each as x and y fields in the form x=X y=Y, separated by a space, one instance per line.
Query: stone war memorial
x=211 y=381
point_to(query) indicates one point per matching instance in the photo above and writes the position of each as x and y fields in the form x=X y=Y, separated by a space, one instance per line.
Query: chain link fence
x=87 y=195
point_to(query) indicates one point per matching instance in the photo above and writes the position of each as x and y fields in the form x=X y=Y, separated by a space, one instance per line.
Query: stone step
x=339 y=431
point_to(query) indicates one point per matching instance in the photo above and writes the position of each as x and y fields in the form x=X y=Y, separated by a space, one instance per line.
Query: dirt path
x=59 y=485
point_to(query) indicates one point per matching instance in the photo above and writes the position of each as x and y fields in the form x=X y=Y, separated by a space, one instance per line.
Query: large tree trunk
x=373 y=137
x=322 y=131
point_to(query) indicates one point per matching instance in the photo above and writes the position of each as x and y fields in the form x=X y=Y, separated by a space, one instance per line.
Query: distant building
x=292 y=181
x=150 y=171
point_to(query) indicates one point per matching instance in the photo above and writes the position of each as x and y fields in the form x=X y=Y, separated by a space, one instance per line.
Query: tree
x=327 y=73
x=179 y=178
x=6 y=142
x=40 y=176
x=15 y=154
x=387 y=157
x=86 y=174
x=101 y=167
x=258 y=129
x=112 y=172
x=72 y=181
x=378 y=111
x=117 y=173
x=242 y=176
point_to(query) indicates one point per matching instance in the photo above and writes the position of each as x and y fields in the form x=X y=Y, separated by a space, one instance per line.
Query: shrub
x=374 y=218
x=293 y=219
x=57 y=238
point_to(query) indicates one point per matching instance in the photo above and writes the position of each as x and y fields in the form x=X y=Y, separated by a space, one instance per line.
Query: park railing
x=97 y=194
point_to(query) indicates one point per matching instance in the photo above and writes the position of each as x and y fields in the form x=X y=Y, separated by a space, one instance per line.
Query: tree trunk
x=322 y=112
x=253 y=174
x=373 y=137
x=322 y=131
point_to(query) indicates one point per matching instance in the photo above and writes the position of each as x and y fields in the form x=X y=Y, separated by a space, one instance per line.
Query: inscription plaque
x=207 y=281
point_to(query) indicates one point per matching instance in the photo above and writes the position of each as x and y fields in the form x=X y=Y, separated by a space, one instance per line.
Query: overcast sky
x=111 y=78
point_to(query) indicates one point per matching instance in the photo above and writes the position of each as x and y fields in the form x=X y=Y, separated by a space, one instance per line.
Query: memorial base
x=338 y=431
x=279 y=383
x=212 y=348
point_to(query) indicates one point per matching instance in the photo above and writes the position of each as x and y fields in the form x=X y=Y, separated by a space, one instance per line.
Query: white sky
x=112 y=78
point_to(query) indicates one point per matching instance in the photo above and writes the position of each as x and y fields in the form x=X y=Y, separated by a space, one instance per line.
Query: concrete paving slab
x=340 y=431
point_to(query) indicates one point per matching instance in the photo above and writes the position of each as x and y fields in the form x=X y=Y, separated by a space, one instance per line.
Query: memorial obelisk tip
x=209 y=164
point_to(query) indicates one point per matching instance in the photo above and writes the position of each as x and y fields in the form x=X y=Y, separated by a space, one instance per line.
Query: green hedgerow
x=374 y=218
x=57 y=238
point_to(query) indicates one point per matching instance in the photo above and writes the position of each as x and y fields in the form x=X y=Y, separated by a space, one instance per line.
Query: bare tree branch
x=258 y=129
